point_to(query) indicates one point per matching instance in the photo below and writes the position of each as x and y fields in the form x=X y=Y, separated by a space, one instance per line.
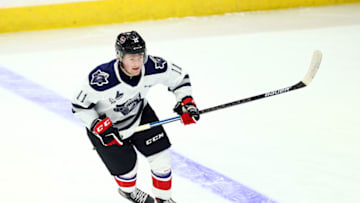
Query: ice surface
x=298 y=147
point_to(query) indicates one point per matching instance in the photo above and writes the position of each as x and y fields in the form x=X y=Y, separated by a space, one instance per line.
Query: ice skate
x=164 y=201
x=137 y=196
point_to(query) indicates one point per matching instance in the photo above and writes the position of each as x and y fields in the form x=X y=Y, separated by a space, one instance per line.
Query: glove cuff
x=94 y=123
x=102 y=125
x=178 y=108
x=187 y=99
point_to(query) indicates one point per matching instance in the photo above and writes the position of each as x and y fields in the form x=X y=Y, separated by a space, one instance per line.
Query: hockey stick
x=314 y=67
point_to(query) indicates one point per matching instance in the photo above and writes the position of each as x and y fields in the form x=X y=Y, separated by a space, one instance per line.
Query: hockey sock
x=162 y=185
x=126 y=184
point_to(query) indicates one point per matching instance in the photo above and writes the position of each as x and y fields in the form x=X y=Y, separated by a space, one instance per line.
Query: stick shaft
x=254 y=98
x=314 y=66
x=226 y=105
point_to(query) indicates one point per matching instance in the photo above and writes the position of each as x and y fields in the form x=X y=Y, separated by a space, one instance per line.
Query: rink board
x=79 y=14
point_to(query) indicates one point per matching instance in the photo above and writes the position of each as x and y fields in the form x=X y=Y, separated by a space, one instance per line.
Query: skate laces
x=139 y=196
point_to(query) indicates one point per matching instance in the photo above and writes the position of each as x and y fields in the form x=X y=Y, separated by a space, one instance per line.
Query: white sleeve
x=178 y=81
x=83 y=105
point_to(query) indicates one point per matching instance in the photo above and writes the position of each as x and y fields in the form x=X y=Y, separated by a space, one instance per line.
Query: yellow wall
x=118 y=11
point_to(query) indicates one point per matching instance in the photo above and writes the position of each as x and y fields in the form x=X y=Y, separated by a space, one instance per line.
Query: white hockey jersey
x=106 y=92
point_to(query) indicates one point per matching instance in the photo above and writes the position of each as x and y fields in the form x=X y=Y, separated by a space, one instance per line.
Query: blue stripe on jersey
x=81 y=107
x=178 y=87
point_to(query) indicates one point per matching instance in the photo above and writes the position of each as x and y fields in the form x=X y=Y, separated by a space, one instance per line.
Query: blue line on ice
x=182 y=166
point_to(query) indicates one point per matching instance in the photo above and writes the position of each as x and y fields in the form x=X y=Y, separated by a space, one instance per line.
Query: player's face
x=133 y=63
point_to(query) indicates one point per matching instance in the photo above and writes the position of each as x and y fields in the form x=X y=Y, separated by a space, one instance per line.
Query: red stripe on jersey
x=162 y=185
x=125 y=183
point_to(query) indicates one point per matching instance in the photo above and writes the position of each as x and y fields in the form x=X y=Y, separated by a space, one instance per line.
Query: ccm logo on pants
x=154 y=139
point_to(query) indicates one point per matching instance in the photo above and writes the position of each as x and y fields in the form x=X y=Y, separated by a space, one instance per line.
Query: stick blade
x=314 y=67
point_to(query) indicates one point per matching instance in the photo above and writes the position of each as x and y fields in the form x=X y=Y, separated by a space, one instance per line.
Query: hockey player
x=112 y=104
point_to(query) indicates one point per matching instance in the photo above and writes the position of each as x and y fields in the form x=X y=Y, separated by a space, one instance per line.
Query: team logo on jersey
x=118 y=95
x=129 y=105
x=112 y=101
x=99 y=78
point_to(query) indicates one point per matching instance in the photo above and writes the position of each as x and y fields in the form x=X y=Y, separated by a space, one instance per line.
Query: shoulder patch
x=103 y=77
x=99 y=78
x=155 y=65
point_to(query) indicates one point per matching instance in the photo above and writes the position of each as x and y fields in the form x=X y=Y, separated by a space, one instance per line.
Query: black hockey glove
x=106 y=132
x=187 y=110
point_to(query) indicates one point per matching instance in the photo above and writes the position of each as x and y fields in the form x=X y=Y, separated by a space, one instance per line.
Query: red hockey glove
x=106 y=132
x=187 y=110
